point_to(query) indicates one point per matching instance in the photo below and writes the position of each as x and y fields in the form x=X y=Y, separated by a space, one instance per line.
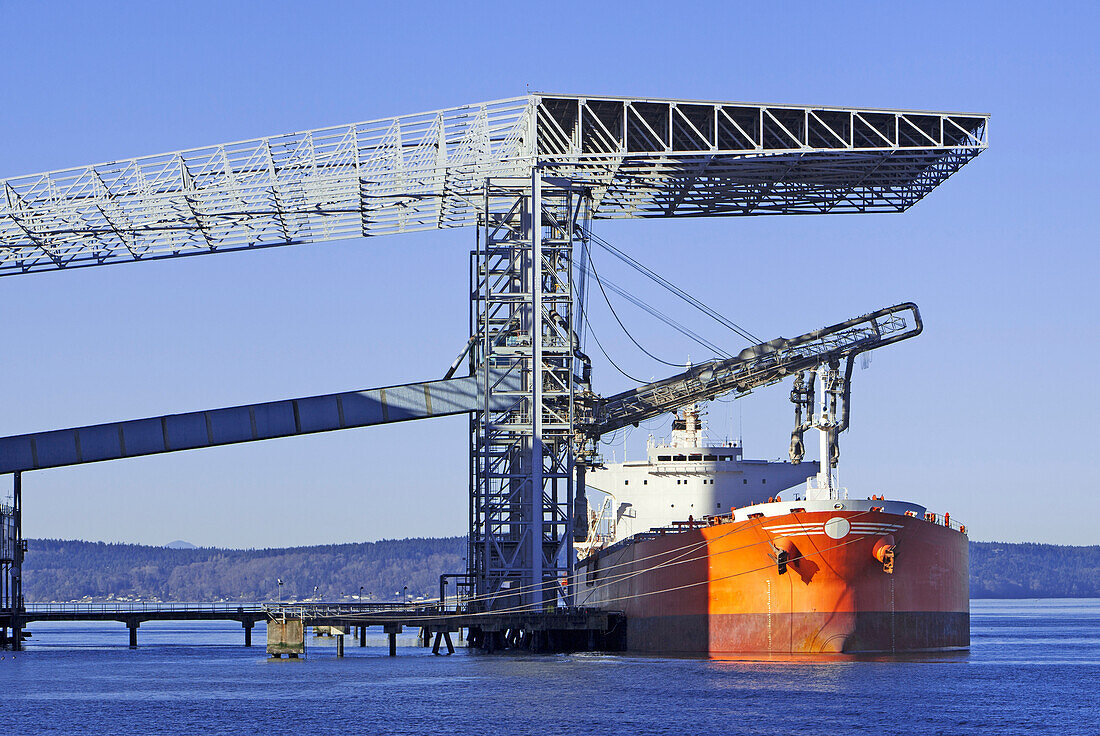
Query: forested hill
x=57 y=570
x=999 y=570
x=62 y=570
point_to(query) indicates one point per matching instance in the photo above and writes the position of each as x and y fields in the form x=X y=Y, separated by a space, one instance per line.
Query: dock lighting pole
x=360 y=593
x=404 y=595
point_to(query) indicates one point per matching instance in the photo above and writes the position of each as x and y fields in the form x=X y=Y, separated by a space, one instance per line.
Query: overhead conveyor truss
x=640 y=157
x=250 y=422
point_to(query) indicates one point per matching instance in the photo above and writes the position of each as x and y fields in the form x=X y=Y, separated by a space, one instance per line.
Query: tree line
x=60 y=570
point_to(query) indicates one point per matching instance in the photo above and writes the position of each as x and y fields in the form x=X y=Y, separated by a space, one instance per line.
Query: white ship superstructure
x=685 y=479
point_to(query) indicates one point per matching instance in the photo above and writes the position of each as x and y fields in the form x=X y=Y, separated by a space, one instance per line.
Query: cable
x=659 y=315
x=596 y=275
x=584 y=316
x=665 y=283
x=676 y=561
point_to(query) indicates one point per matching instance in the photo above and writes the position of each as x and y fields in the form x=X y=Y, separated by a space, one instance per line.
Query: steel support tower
x=12 y=550
x=521 y=458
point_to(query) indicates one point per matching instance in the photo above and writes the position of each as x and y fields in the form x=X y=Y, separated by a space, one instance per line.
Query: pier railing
x=337 y=610
x=309 y=610
x=144 y=607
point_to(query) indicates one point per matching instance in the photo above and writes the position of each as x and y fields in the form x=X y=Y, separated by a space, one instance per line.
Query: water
x=1034 y=668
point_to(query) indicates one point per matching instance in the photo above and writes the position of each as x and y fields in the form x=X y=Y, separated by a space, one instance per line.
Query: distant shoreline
x=388 y=570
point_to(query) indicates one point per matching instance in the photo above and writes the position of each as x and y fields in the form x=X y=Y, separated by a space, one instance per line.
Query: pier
x=556 y=630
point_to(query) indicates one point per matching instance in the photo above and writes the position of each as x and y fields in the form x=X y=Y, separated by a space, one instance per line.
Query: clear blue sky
x=990 y=415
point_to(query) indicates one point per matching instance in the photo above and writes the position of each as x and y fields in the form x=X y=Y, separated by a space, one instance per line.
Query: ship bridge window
x=745 y=481
x=664 y=458
x=696 y=457
x=679 y=458
x=626 y=482
x=709 y=457
x=645 y=482
x=763 y=480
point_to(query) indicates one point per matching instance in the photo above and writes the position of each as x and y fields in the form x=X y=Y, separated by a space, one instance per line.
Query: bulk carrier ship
x=708 y=553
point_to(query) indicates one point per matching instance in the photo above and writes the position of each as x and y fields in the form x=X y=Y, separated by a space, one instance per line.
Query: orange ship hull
x=719 y=589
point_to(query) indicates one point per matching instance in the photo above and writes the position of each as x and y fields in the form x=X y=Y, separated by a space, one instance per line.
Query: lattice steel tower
x=522 y=468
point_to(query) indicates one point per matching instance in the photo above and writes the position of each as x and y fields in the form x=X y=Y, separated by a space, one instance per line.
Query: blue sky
x=989 y=415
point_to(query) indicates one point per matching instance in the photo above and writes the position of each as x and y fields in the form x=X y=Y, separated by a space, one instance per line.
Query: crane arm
x=755 y=367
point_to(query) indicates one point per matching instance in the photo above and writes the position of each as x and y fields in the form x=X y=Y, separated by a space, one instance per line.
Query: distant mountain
x=180 y=544
x=57 y=570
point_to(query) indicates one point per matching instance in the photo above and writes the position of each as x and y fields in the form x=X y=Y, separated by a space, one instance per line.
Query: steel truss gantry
x=521 y=458
x=640 y=157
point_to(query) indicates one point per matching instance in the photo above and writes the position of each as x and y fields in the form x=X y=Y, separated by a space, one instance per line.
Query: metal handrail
x=144 y=607
x=207 y=607
x=944 y=520
x=333 y=610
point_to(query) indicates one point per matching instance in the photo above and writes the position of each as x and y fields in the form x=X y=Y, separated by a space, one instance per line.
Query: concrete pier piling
x=442 y=635
x=392 y=630
x=286 y=636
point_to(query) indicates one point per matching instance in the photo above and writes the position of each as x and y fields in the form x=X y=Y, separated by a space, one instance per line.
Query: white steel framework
x=639 y=157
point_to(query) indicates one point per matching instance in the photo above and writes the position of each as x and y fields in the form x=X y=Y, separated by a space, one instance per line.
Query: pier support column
x=362 y=636
x=392 y=630
x=339 y=646
x=133 y=627
x=450 y=644
x=248 y=632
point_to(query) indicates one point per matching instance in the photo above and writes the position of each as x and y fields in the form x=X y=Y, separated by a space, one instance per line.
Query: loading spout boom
x=755 y=367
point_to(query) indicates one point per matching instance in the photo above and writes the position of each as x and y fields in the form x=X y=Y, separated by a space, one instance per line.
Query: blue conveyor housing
x=250 y=422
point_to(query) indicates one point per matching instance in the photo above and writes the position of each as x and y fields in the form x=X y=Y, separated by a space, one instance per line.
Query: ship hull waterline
x=718 y=590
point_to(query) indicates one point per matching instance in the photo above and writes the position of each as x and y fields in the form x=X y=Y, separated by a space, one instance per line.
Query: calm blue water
x=1034 y=668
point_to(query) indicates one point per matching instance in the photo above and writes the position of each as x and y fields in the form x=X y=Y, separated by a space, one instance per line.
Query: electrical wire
x=665 y=283
x=599 y=282
x=641 y=304
x=592 y=332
